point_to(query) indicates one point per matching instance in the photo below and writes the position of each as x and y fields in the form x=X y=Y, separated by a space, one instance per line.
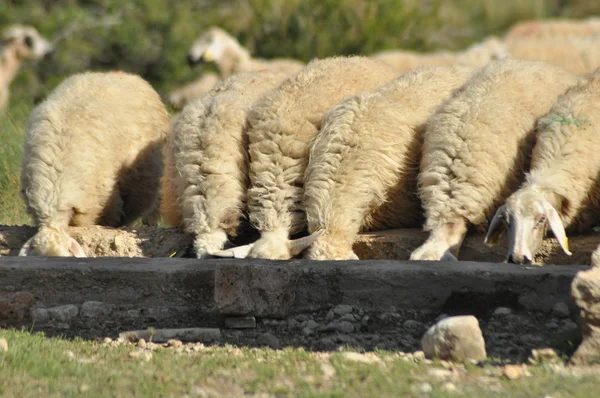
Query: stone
x=348 y=318
x=412 y=324
x=502 y=311
x=544 y=355
x=14 y=306
x=3 y=345
x=308 y=331
x=359 y=357
x=63 y=313
x=330 y=315
x=365 y=320
x=456 y=338
x=239 y=322
x=95 y=309
x=342 y=309
x=585 y=292
x=267 y=339
x=174 y=343
x=163 y=335
x=513 y=372
x=142 y=354
x=341 y=326
x=561 y=310
x=310 y=324
x=258 y=290
x=39 y=315
x=142 y=343
x=425 y=388
x=440 y=375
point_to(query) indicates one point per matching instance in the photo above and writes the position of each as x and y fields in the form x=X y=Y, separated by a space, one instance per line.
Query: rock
x=95 y=309
x=267 y=339
x=142 y=343
x=513 y=372
x=310 y=324
x=328 y=371
x=424 y=388
x=365 y=320
x=449 y=387
x=39 y=315
x=340 y=326
x=63 y=313
x=342 y=309
x=359 y=357
x=348 y=318
x=561 y=310
x=544 y=355
x=330 y=316
x=412 y=324
x=174 y=343
x=293 y=324
x=164 y=335
x=239 y=322
x=585 y=291
x=502 y=311
x=14 y=306
x=261 y=289
x=308 y=331
x=458 y=338
x=3 y=345
x=142 y=354
x=440 y=375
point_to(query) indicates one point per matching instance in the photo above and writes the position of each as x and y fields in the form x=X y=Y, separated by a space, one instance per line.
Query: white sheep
x=575 y=54
x=476 y=148
x=17 y=44
x=562 y=188
x=282 y=124
x=206 y=161
x=363 y=164
x=178 y=98
x=216 y=45
x=478 y=54
x=554 y=28
x=92 y=156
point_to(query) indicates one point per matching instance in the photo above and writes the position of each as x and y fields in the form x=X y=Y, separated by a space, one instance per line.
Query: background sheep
x=18 y=44
x=477 y=55
x=577 y=55
x=476 y=148
x=282 y=124
x=562 y=187
x=206 y=161
x=363 y=164
x=216 y=45
x=554 y=28
x=92 y=156
x=181 y=96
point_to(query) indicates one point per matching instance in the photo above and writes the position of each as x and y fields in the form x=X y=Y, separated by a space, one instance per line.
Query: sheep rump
x=363 y=163
x=463 y=176
x=93 y=152
x=206 y=161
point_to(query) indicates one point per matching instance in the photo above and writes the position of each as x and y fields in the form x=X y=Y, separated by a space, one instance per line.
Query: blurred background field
x=151 y=38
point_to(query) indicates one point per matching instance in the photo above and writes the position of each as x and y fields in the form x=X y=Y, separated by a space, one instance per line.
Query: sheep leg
x=443 y=243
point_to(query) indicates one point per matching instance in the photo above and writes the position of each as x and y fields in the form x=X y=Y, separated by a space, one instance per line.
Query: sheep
x=282 y=124
x=17 y=44
x=206 y=161
x=562 y=187
x=577 y=55
x=476 y=147
x=478 y=54
x=92 y=156
x=183 y=95
x=216 y=45
x=363 y=164
x=554 y=28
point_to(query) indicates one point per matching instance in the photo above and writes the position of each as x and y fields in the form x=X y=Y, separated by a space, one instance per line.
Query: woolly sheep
x=282 y=124
x=476 y=147
x=206 y=161
x=183 y=95
x=92 y=156
x=478 y=54
x=554 y=28
x=18 y=44
x=216 y=45
x=363 y=164
x=577 y=55
x=562 y=188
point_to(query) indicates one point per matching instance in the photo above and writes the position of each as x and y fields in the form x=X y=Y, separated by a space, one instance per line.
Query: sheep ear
x=296 y=246
x=26 y=249
x=234 y=252
x=75 y=248
x=492 y=238
x=557 y=227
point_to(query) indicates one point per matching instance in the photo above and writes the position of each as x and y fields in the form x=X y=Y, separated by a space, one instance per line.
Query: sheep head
x=211 y=46
x=52 y=241
x=526 y=217
x=274 y=249
x=29 y=44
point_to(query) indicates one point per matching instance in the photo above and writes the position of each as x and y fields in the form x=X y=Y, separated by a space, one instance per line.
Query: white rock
x=458 y=338
x=63 y=313
x=3 y=345
x=502 y=311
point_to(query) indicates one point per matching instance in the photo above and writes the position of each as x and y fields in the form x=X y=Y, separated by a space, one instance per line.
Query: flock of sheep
x=501 y=133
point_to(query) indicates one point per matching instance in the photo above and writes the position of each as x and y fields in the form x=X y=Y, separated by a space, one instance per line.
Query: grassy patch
x=38 y=366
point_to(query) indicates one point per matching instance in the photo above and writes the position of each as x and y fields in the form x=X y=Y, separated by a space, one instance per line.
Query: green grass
x=39 y=366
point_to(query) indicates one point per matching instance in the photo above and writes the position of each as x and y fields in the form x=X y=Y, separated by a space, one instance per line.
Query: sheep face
x=28 y=42
x=210 y=47
x=51 y=241
x=526 y=217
